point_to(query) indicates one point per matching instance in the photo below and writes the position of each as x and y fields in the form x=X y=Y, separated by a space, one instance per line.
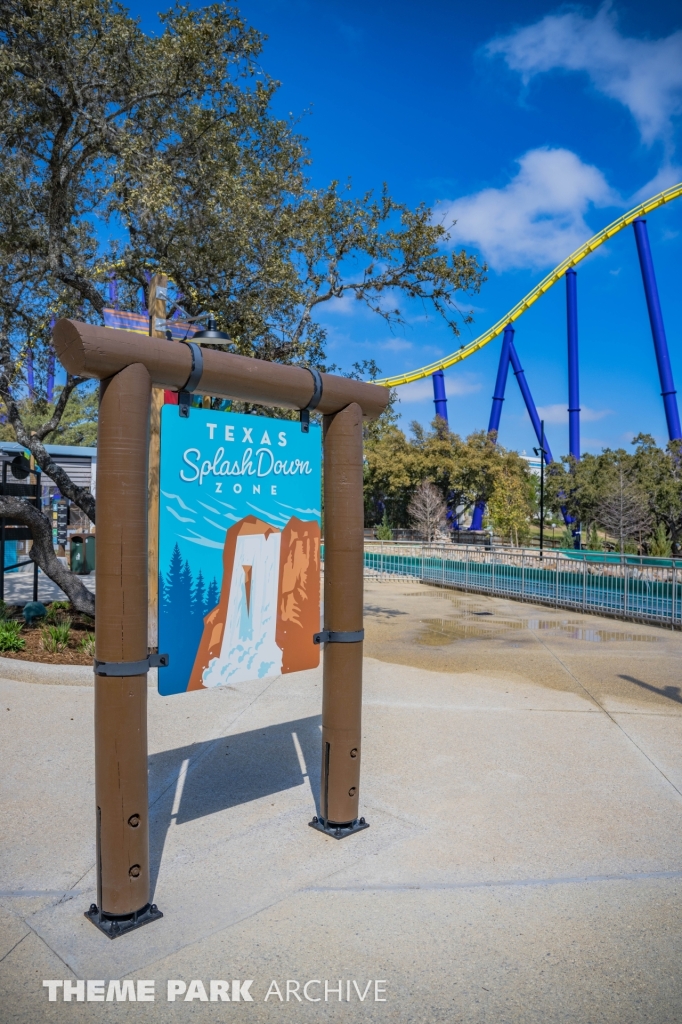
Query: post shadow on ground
x=204 y=778
x=671 y=692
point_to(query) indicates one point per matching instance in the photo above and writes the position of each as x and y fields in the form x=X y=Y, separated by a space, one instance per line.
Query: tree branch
x=80 y=495
x=43 y=554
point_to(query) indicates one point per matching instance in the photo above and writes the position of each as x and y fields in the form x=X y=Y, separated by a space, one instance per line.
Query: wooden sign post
x=129 y=366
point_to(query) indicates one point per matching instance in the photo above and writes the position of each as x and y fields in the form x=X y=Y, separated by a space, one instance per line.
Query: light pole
x=541 y=451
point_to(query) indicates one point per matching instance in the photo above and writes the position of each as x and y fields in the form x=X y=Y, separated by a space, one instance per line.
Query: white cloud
x=455 y=386
x=558 y=413
x=645 y=75
x=538 y=218
x=667 y=176
x=396 y=345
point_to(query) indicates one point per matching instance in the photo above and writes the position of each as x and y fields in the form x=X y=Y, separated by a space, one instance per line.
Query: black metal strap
x=130 y=668
x=314 y=401
x=197 y=367
x=331 y=636
x=193 y=380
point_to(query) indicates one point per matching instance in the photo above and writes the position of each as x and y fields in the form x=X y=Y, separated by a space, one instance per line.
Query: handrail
x=551 y=279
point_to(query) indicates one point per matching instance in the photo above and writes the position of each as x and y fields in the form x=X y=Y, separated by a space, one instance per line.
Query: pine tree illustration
x=212 y=595
x=174 y=579
x=199 y=598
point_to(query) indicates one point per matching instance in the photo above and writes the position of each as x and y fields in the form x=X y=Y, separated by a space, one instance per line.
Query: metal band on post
x=329 y=636
x=314 y=401
x=130 y=668
x=192 y=383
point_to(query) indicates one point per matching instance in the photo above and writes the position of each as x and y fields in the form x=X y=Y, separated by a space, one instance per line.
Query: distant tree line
x=459 y=473
x=634 y=497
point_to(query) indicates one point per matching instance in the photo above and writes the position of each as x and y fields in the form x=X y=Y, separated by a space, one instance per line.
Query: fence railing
x=631 y=587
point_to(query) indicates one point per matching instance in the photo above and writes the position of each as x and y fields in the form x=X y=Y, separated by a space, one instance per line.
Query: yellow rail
x=593 y=243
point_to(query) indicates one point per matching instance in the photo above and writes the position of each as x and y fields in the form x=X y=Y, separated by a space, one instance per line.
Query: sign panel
x=239 y=548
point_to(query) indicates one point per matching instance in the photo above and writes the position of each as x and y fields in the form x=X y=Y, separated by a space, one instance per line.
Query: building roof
x=75 y=451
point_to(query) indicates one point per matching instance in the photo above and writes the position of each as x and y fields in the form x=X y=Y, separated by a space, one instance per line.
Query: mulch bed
x=34 y=651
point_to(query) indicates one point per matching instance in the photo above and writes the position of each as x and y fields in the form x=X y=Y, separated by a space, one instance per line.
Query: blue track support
x=528 y=399
x=439 y=397
x=501 y=382
x=573 y=369
x=665 y=372
x=496 y=410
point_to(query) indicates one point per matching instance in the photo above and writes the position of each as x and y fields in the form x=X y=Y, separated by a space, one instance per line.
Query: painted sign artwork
x=239 y=548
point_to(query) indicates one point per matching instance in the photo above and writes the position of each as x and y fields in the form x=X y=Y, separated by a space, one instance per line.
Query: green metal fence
x=645 y=589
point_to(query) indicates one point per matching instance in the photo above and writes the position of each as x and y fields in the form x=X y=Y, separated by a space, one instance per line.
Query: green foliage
x=78 y=423
x=593 y=541
x=10 y=635
x=55 y=638
x=463 y=470
x=87 y=644
x=630 y=494
x=384 y=531
x=56 y=611
x=173 y=137
x=509 y=507
x=660 y=544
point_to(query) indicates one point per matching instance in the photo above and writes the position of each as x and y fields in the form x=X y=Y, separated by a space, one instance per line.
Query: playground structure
x=509 y=356
x=129 y=366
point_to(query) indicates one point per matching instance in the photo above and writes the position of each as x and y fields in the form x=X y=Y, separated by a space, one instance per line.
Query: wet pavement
x=618 y=665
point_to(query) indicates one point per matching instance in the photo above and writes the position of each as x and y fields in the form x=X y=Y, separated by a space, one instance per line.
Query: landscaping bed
x=61 y=638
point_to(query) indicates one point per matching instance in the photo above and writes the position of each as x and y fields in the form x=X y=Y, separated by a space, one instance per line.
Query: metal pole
x=496 y=409
x=121 y=636
x=39 y=506
x=342 y=672
x=440 y=399
x=665 y=372
x=528 y=398
x=542 y=487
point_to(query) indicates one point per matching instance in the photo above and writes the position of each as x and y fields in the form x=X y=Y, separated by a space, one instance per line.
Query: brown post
x=157 y=303
x=121 y=636
x=343 y=572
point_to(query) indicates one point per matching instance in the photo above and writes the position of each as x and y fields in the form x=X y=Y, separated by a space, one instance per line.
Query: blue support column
x=439 y=397
x=573 y=370
x=496 y=410
x=501 y=382
x=665 y=372
x=528 y=399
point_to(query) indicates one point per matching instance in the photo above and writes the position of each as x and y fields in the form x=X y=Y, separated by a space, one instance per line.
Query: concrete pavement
x=522 y=776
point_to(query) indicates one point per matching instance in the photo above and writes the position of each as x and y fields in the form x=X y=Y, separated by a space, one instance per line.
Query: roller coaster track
x=584 y=250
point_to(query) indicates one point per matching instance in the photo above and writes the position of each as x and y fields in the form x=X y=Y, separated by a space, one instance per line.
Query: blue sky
x=533 y=125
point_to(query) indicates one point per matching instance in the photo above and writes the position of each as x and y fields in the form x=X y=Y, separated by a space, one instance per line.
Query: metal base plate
x=113 y=925
x=330 y=828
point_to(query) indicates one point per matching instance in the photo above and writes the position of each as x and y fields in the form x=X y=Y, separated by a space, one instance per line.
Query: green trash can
x=90 y=549
x=78 y=556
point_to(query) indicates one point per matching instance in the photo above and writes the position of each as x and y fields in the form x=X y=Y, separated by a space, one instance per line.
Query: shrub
x=10 y=638
x=660 y=544
x=56 y=638
x=384 y=531
x=87 y=644
x=56 y=611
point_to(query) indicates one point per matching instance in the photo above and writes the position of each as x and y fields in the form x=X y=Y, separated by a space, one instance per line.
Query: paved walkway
x=522 y=774
x=19 y=586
